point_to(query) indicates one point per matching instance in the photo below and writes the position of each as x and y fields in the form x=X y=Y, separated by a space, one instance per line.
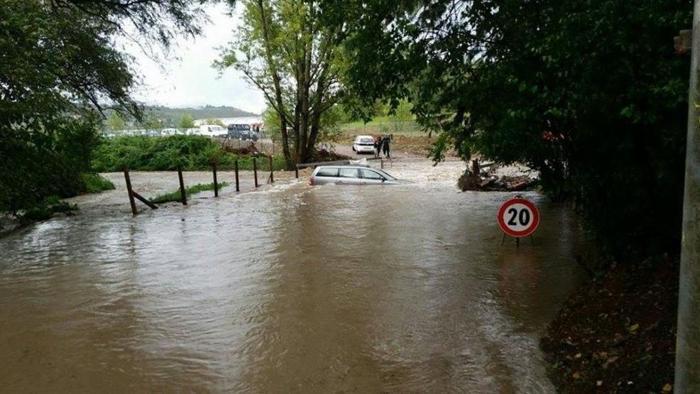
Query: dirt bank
x=617 y=333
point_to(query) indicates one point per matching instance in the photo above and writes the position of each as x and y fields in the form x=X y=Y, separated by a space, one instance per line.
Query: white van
x=213 y=130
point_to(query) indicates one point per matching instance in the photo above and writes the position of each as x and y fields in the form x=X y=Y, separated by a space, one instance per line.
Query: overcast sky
x=186 y=78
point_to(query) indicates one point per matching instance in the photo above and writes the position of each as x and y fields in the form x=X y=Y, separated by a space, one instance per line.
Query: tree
x=115 y=122
x=215 y=121
x=186 y=122
x=285 y=51
x=588 y=93
x=59 y=71
x=151 y=121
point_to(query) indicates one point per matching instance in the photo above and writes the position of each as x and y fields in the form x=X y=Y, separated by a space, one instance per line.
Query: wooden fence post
x=296 y=171
x=255 y=171
x=183 y=193
x=216 y=184
x=128 y=189
x=235 y=169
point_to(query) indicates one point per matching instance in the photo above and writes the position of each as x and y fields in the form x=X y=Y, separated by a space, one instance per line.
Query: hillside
x=163 y=117
x=197 y=113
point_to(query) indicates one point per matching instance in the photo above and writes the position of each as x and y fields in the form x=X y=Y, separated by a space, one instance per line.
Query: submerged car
x=351 y=175
x=363 y=144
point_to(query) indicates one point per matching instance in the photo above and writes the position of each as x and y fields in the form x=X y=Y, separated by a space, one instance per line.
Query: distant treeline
x=166 y=117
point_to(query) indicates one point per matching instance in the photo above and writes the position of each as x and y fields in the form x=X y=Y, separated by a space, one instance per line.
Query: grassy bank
x=382 y=125
x=95 y=183
x=175 y=196
x=617 y=333
x=191 y=153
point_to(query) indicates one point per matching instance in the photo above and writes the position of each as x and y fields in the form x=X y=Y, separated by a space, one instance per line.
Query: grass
x=382 y=125
x=95 y=183
x=175 y=195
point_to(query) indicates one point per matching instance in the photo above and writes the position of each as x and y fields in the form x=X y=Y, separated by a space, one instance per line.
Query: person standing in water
x=386 y=140
x=378 y=146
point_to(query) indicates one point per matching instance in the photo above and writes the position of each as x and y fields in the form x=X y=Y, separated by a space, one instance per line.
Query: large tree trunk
x=289 y=163
x=277 y=84
x=319 y=107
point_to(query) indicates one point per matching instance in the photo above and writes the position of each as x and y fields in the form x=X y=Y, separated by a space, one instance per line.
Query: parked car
x=212 y=130
x=363 y=144
x=351 y=175
x=242 y=132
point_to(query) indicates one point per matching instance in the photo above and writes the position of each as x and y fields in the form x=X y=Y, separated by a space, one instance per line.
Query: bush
x=95 y=183
x=44 y=162
x=46 y=209
x=190 y=153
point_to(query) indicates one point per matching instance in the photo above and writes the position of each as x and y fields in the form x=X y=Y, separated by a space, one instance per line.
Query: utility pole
x=687 y=379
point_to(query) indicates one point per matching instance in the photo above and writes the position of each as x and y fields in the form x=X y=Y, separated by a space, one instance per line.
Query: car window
x=333 y=172
x=367 y=140
x=349 y=173
x=386 y=175
x=369 y=174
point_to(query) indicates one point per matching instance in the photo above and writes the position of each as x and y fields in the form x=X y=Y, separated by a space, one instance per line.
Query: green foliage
x=151 y=121
x=176 y=196
x=59 y=69
x=46 y=208
x=154 y=154
x=588 y=93
x=213 y=121
x=39 y=164
x=115 y=122
x=285 y=51
x=95 y=183
x=190 y=153
x=186 y=122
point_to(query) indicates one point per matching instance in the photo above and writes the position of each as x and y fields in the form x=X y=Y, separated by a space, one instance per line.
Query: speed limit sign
x=518 y=217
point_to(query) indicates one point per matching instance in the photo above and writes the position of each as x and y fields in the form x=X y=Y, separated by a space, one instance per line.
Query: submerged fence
x=266 y=169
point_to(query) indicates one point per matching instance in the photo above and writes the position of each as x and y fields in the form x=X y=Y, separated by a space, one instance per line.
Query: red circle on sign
x=515 y=226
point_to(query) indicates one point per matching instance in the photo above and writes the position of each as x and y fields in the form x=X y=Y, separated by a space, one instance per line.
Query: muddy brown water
x=290 y=289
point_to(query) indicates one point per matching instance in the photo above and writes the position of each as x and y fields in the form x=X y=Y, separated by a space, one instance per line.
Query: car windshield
x=366 y=140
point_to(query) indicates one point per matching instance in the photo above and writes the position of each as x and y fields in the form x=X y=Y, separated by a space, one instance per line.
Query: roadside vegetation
x=46 y=209
x=188 y=152
x=95 y=183
x=589 y=94
x=60 y=71
x=175 y=196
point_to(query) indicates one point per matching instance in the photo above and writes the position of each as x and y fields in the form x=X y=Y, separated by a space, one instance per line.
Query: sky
x=185 y=78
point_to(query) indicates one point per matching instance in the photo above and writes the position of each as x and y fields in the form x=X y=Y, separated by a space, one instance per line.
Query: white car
x=363 y=144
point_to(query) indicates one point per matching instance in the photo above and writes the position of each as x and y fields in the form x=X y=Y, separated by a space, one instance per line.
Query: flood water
x=290 y=289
